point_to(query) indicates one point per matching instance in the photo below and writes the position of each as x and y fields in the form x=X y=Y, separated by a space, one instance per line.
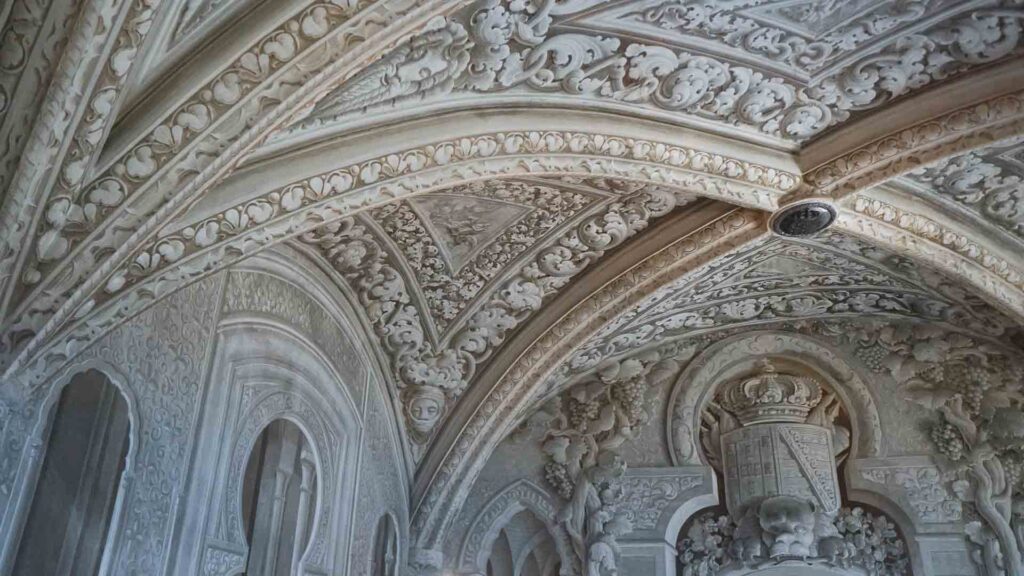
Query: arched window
x=524 y=547
x=279 y=500
x=70 y=516
x=385 y=548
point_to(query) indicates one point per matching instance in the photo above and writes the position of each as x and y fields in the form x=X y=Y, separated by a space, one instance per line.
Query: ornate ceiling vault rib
x=218 y=157
x=480 y=178
x=32 y=36
x=987 y=183
x=925 y=239
x=428 y=371
x=217 y=241
x=93 y=39
x=72 y=215
x=864 y=57
x=943 y=136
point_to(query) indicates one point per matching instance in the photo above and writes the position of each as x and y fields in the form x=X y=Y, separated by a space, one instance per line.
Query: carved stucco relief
x=807 y=66
x=381 y=490
x=873 y=263
x=987 y=182
x=522 y=494
x=649 y=492
x=140 y=184
x=255 y=292
x=162 y=353
x=779 y=279
x=927 y=489
x=196 y=250
x=524 y=382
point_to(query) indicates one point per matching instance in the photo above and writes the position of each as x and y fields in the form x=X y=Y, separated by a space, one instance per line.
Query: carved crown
x=770 y=396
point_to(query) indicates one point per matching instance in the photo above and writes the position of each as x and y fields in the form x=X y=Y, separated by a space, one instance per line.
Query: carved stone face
x=790 y=522
x=424 y=407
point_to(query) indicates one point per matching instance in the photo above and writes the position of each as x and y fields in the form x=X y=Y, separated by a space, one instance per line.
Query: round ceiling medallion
x=804 y=219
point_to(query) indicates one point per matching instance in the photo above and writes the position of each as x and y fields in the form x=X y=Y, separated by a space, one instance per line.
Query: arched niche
x=78 y=473
x=384 y=561
x=269 y=372
x=740 y=354
x=520 y=499
x=279 y=500
x=524 y=547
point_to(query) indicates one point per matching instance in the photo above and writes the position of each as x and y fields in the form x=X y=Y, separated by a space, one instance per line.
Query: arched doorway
x=71 y=515
x=524 y=547
x=385 y=548
x=278 y=500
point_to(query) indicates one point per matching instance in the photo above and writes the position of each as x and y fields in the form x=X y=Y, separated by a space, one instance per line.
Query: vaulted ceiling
x=473 y=173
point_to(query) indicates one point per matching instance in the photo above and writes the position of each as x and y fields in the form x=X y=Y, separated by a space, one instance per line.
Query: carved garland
x=895 y=154
x=45 y=141
x=248 y=228
x=430 y=375
x=212 y=160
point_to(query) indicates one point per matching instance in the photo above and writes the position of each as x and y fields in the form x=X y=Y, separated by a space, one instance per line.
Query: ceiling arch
x=466 y=149
x=764 y=282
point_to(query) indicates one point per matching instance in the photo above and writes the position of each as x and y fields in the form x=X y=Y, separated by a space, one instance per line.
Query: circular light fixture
x=803 y=219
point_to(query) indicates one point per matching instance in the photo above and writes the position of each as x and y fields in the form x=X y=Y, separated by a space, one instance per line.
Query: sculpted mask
x=424 y=406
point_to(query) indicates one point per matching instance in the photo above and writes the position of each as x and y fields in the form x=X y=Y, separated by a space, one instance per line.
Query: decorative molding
x=925 y=488
x=914 y=233
x=502 y=46
x=96 y=23
x=222 y=561
x=987 y=182
x=261 y=406
x=245 y=229
x=776 y=279
x=695 y=386
x=193 y=168
x=255 y=292
x=520 y=495
x=648 y=493
x=536 y=366
x=358 y=185
x=940 y=137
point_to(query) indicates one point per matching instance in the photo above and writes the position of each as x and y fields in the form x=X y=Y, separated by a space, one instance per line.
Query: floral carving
x=986 y=181
x=860 y=539
x=429 y=372
x=777 y=280
x=818 y=33
x=590 y=423
x=980 y=429
x=926 y=489
x=449 y=290
x=646 y=495
x=504 y=46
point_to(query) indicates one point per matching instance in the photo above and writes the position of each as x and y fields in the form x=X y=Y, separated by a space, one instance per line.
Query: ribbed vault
x=508 y=192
